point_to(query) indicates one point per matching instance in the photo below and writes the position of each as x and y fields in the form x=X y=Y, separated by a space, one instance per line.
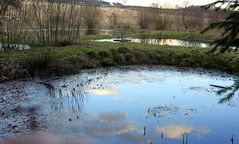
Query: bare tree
x=92 y=16
x=55 y=22
x=144 y=18
x=5 y=4
x=184 y=14
x=114 y=20
x=192 y=18
x=160 y=19
x=44 y=23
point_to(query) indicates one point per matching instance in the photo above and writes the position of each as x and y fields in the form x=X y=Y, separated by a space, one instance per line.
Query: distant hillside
x=95 y=2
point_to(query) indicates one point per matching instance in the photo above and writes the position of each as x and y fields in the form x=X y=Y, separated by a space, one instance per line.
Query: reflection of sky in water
x=141 y=105
x=170 y=42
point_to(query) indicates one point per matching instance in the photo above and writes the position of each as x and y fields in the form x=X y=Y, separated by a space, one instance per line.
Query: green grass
x=190 y=36
x=84 y=48
x=57 y=61
x=169 y=55
x=85 y=53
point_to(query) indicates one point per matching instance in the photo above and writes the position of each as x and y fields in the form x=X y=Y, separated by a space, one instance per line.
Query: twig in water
x=185 y=138
x=232 y=140
x=145 y=131
x=217 y=86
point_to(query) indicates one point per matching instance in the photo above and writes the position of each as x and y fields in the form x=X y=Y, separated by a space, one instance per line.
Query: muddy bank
x=48 y=66
x=16 y=114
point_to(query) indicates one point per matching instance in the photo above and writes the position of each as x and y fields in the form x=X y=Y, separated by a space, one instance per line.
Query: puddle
x=137 y=105
x=15 y=47
x=169 y=42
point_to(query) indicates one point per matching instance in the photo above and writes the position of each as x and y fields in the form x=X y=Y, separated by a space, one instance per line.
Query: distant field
x=111 y=17
x=192 y=18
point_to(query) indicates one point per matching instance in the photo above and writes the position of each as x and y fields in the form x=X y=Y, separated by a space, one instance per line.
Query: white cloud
x=112 y=117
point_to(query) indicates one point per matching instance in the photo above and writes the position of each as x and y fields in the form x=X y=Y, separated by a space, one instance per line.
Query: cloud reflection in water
x=111 y=91
x=174 y=131
x=177 y=131
x=114 y=125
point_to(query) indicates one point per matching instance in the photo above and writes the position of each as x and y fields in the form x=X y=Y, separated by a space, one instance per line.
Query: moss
x=141 y=57
x=108 y=62
x=93 y=54
x=90 y=64
x=129 y=58
x=105 y=53
x=120 y=59
x=123 y=50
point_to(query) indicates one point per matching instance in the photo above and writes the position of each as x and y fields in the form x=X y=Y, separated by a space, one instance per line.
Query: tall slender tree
x=230 y=26
x=5 y=4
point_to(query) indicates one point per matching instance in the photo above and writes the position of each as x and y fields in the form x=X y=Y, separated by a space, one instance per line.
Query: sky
x=165 y=3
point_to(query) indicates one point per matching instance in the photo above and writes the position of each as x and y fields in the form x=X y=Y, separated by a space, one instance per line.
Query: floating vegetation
x=163 y=111
x=168 y=111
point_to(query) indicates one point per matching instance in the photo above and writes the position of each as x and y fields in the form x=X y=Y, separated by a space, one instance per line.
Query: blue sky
x=168 y=3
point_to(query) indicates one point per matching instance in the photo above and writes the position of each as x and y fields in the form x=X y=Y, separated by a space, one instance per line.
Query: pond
x=169 y=42
x=14 y=47
x=129 y=105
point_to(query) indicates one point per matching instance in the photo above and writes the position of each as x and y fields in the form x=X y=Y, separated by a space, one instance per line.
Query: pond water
x=130 y=105
x=170 y=42
x=14 y=47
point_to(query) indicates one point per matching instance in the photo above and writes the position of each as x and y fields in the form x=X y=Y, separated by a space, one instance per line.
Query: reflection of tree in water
x=67 y=97
x=69 y=94
x=173 y=42
x=228 y=92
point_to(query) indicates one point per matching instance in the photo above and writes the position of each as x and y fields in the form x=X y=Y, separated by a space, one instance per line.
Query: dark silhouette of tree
x=229 y=40
x=230 y=26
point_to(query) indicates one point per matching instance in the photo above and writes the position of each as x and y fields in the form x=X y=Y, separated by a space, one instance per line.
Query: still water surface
x=134 y=105
x=141 y=105
x=169 y=42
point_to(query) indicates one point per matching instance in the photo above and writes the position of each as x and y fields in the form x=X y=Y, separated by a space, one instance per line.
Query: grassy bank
x=153 y=34
x=57 y=61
